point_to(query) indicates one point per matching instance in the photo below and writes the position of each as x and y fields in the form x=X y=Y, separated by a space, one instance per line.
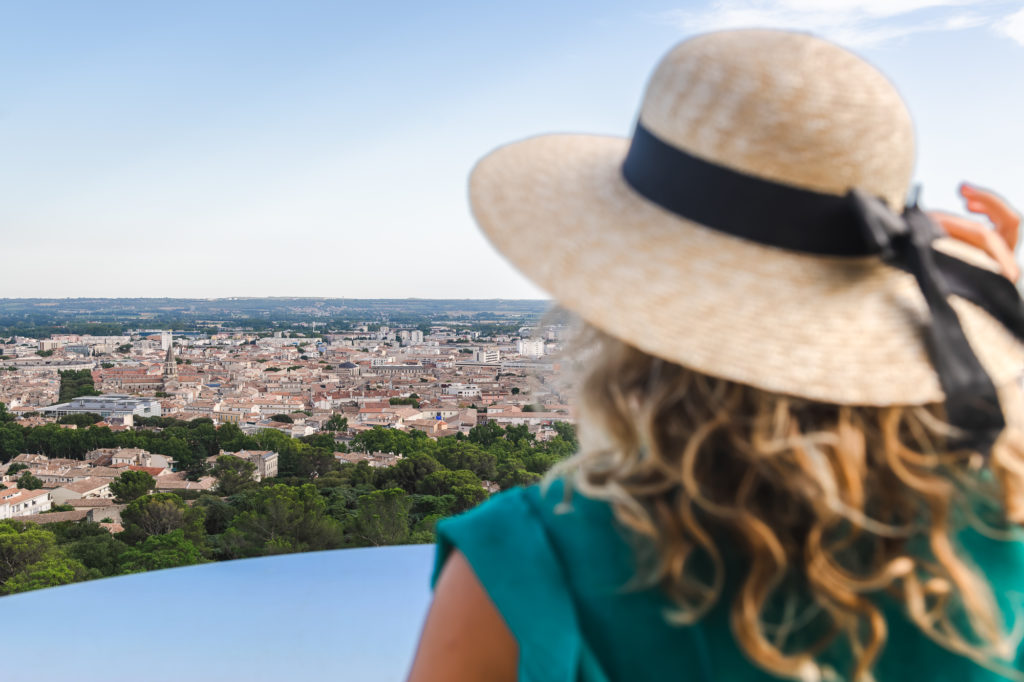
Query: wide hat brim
x=840 y=330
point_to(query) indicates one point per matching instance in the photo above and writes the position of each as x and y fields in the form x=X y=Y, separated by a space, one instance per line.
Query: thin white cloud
x=1013 y=27
x=874 y=8
x=863 y=23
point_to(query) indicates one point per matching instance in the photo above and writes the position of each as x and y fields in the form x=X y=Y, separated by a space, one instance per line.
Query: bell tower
x=170 y=366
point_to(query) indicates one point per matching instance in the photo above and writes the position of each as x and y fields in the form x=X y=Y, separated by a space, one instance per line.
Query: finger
x=963 y=229
x=979 y=236
x=1005 y=219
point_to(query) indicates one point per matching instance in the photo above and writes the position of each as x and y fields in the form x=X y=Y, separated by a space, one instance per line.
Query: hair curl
x=830 y=506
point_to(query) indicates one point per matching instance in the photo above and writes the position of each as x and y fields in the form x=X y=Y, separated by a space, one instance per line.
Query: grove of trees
x=315 y=503
x=75 y=383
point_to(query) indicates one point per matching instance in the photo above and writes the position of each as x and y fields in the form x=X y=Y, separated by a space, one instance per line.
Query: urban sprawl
x=438 y=379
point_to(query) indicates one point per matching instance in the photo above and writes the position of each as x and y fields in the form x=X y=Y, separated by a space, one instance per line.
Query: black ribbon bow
x=792 y=218
x=972 y=402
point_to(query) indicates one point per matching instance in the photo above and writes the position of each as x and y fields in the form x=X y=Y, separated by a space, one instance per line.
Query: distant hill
x=40 y=317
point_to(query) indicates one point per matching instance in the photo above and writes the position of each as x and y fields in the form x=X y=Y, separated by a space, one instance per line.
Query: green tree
x=486 y=434
x=442 y=482
x=22 y=545
x=80 y=419
x=16 y=467
x=12 y=442
x=408 y=473
x=432 y=505
x=131 y=485
x=51 y=571
x=283 y=418
x=336 y=423
x=456 y=454
x=467 y=497
x=229 y=437
x=159 y=514
x=567 y=432
x=30 y=559
x=321 y=440
x=306 y=462
x=279 y=519
x=233 y=474
x=519 y=432
x=76 y=383
x=99 y=553
x=382 y=517
x=167 y=550
x=217 y=513
x=425 y=531
x=29 y=482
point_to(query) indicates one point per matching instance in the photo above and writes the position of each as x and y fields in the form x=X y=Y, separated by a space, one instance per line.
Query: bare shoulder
x=464 y=638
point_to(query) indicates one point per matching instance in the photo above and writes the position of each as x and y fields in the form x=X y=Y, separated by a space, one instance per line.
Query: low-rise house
x=177 y=481
x=84 y=489
x=55 y=517
x=54 y=477
x=15 y=502
x=155 y=472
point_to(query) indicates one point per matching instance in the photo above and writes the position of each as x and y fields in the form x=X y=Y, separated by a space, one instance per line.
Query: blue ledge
x=345 y=615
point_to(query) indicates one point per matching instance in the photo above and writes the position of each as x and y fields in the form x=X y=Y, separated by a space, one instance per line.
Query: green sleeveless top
x=558 y=580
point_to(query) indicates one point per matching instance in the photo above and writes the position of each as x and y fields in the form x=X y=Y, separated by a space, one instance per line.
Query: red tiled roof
x=152 y=471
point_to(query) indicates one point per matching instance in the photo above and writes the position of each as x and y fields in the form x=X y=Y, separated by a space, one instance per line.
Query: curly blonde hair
x=828 y=505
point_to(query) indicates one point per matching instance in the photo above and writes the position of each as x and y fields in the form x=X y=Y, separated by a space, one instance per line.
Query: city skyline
x=321 y=149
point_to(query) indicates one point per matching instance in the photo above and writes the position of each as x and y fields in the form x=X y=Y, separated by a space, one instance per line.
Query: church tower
x=170 y=371
x=170 y=366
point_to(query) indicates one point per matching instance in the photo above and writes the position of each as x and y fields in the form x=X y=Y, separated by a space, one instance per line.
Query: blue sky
x=223 y=148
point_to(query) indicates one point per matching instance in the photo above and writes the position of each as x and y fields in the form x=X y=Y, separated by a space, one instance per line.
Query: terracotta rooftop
x=55 y=517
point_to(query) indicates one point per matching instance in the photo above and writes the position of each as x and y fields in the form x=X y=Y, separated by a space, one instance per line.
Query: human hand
x=998 y=243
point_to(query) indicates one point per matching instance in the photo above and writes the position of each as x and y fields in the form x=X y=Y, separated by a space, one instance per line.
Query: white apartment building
x=490 y=357
x=87 y=488
x=531 y=348
x=462 y=390
x=16 y=502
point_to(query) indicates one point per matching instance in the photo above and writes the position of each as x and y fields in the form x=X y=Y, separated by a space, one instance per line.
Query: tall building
x=531 y=348
x=490 y=357
x=165 y=340
x=170 y=370
x=170 y=366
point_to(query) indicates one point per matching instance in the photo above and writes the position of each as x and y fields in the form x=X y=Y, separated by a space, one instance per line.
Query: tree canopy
x=316 y=502
x=131 y=485
x=233 y=474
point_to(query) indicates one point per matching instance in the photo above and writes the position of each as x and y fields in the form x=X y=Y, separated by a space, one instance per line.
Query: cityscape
x=127 y=445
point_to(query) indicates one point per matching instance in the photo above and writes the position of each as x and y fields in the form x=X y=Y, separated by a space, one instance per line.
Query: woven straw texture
x=786 y=107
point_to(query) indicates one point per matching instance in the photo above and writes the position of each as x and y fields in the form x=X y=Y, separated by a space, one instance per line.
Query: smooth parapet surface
x=343 y=615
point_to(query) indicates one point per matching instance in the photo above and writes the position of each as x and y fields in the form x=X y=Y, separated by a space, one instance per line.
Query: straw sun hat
x=730 y=242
